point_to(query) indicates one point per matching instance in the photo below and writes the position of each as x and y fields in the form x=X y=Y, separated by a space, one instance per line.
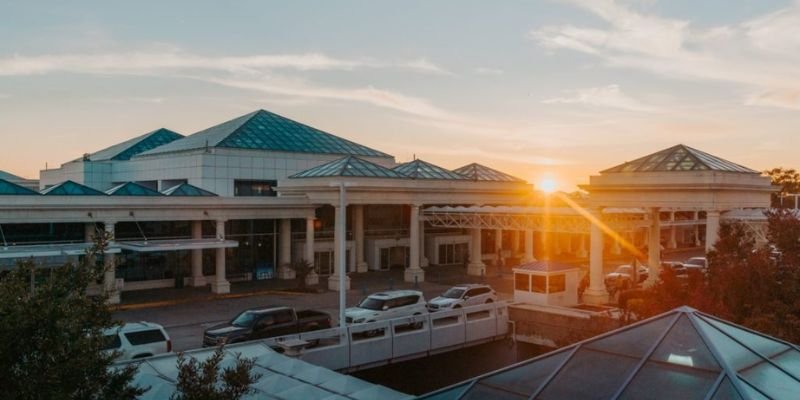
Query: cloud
x=173 y=59
x=488 y=71
x=761 y=54
x=606 y=96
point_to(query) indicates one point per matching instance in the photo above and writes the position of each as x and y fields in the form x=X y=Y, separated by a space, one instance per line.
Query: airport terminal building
x=242 y=200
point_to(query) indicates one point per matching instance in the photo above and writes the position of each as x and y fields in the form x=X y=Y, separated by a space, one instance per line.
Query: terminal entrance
x=394 y=257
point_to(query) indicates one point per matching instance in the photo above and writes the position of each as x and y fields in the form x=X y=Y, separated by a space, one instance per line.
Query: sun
x=548 y=185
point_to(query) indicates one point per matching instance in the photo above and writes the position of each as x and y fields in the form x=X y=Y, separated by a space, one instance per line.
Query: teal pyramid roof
x=131 y=189
x=679 y=158
x=419 y=169
x=478 y=172
x=185 y=189
x=11 y=189
x=70 y=188
x=263 y=130
x=139 y=144
x=349 y=166
x=681 y=354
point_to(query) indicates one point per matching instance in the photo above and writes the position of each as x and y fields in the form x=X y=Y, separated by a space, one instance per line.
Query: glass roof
x=349 y=166
x=419 y=169
x=139 y=144
x=131 y=189
x=679 y=158
x=70 y=188
x=9 y=189
x=185 y=189
x=263 y=130
x=682 y=354
x=280 y=377
x=478 y=172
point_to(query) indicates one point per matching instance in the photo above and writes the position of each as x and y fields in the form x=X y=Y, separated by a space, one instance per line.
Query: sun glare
x=548 y=185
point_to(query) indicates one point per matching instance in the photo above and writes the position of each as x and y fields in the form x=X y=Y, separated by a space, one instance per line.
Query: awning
x=146 y=246
x=50 y=250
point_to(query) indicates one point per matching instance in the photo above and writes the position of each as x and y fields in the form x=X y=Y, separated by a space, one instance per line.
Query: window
x=558 y=283
x=112 y=342
x=266 y=320
x=254 y=188
x=282 y=317
x=522 y=282
x=538 y=284
x=145 y=337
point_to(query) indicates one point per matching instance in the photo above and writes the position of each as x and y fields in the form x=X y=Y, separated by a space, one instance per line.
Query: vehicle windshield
x=372 y=304
x=244 y=320
x=453 y=293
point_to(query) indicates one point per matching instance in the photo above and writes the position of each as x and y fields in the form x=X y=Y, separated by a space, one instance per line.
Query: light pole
x=341 y=252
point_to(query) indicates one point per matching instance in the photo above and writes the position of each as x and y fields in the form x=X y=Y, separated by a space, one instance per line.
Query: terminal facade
x=245 y=199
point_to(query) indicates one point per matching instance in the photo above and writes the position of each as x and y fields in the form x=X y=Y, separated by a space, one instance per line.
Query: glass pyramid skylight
x=681 y=354
x=11 y=189
x=139 y=144
x=419 y=169
x=478 y=172
x=185 y=189
x=349 y=166
x=263 y=130
x=131 y=189
x=679 y=158
x=70 y=188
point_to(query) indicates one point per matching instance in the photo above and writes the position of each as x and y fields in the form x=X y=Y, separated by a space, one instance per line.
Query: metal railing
x=367 y=345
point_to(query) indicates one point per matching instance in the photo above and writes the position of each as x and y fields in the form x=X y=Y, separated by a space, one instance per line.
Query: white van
x=137 y=340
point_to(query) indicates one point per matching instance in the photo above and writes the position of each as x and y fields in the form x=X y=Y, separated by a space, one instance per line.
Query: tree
x=51 y=337
x=789 y=182
x=302 y=269
x=201 y=380
x=751 y=285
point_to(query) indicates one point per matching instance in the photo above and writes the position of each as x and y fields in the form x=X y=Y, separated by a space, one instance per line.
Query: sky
x=544 y=90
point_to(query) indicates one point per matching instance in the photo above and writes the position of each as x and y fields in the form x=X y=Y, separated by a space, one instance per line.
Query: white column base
x=286 y=273
x=221 y=287
x=424 y=262
x=595 y=296
x=312 y=279
x=333 y=283
x=362 y=266
x=476 y=269
x=414 y=275
x=197 y=281
x=526 y=260
x=113 y=298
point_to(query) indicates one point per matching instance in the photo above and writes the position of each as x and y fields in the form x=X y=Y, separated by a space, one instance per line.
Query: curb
x=165 y=303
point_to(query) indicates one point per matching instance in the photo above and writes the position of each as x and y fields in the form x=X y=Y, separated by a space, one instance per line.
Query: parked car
x=387 y=305
x=265 y=322
x=676 y=267
x=622 y=277
x=463 y=296
x=696 y=265
x=137 y=340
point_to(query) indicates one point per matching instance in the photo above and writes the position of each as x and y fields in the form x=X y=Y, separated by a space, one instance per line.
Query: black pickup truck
x=265 y=322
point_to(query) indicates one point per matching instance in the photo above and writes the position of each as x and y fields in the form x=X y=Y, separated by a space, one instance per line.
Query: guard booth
x=546 y=283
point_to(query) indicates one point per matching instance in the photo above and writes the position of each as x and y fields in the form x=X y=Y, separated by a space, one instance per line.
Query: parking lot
x=186 y=313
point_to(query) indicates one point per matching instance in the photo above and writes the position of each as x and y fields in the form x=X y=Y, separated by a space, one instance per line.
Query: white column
x=654 y=245
x=339 y=234
x=414 y=273
x=358 y=221
x=110 y=263
x=312 y=278
x=596 y=292
x=673 y=242
x=423 y=259
x=476 y=266
x=220 y=285
x=582 y=253
x=197 y=278
x=696 y=229
x=285 y=240
x=528 y=246
x=712 y=229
